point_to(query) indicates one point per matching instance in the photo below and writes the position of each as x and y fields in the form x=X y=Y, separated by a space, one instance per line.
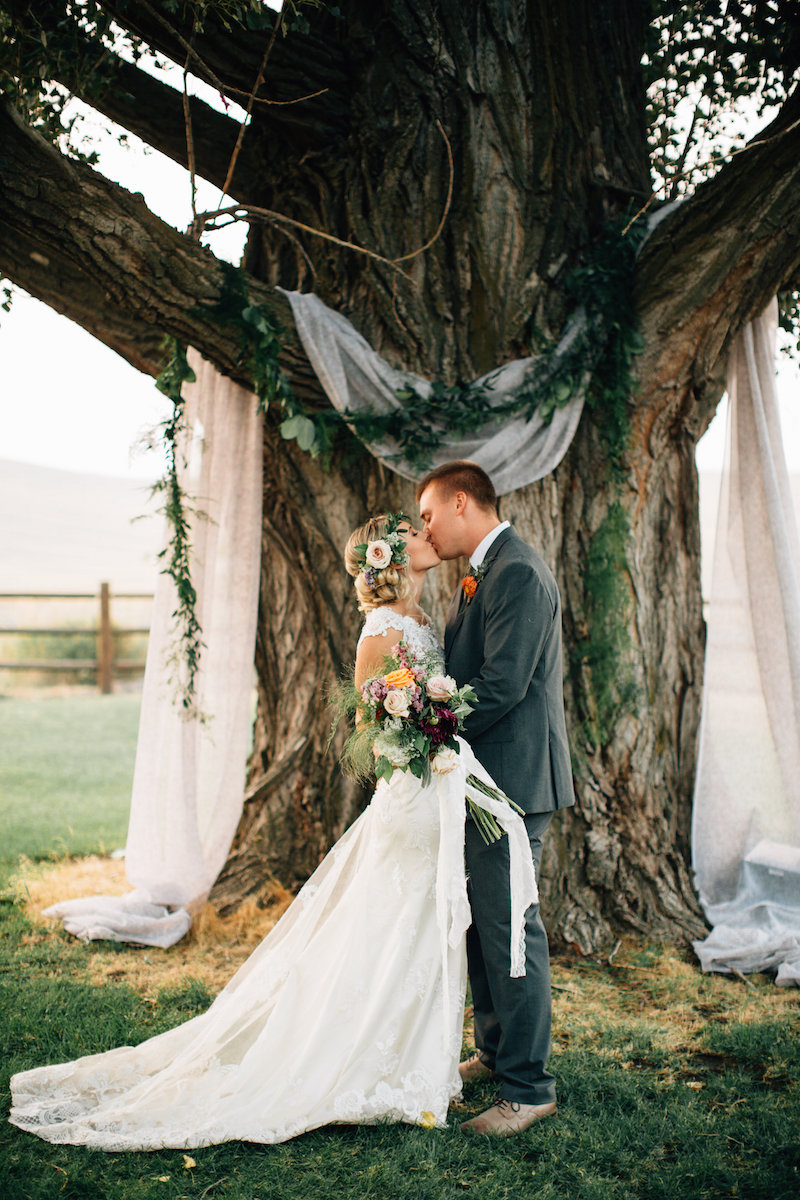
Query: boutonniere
x=470 y=582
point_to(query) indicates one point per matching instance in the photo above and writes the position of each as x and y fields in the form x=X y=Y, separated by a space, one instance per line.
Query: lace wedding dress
x=349 y=1011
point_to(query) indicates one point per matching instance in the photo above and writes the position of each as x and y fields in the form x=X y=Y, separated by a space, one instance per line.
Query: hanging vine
x=599 y=661
x=177 y=554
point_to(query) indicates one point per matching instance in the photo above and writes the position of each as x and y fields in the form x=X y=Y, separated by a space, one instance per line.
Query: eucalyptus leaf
x=301 y=429
x=383 y=768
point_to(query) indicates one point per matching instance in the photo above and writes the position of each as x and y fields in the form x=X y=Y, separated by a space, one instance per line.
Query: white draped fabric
x=746 y=824
x=189 y=776
x=452 y=906
x=514 y=452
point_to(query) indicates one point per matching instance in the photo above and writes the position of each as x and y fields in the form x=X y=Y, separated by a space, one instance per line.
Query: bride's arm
x=371 y=653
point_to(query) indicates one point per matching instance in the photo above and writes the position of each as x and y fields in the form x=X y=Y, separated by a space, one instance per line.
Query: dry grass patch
x=40 y=884
x=212 y=950
x=649 y=1000
x=654 y=1003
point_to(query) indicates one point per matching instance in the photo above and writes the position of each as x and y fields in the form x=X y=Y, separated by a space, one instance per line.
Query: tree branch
x=95 y=253
x=228 y=58
x=715 y=261
x=154 y=112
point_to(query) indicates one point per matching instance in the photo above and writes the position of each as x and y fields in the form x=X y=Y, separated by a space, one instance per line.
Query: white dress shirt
x=482 y=548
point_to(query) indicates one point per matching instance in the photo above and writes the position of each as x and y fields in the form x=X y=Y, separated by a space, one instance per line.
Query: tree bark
x=543 y=112
x=713 y=263
x=304 y=99
x=96 y=253
x=154 y=112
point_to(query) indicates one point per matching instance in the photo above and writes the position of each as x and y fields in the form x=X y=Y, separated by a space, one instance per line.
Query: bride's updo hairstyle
x=376 y=585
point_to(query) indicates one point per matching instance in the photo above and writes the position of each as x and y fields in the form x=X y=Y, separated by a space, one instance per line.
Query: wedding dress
x=349 y=1011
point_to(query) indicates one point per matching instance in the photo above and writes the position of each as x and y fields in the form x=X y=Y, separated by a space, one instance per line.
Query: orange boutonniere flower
x=470 y=582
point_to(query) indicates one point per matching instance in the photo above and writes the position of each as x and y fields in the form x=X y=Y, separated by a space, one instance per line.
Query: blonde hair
x=391 y=584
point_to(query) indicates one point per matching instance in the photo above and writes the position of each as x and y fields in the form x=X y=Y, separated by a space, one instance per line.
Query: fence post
x=105 y=645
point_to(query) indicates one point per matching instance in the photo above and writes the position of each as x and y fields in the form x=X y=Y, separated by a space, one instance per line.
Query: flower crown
x=390 y=550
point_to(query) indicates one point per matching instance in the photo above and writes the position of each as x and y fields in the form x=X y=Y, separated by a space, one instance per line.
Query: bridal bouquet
x=408 y=718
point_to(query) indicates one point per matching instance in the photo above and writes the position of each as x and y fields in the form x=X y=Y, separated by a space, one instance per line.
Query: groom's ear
x=460 y=500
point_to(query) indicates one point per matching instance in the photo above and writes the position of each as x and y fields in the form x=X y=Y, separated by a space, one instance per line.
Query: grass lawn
x=673 y=1085
x=66 y=767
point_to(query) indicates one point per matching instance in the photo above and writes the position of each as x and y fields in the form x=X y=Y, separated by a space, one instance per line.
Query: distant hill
x=63 y=531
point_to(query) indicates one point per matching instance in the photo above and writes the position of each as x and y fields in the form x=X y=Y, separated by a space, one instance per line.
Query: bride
x=351 y=1008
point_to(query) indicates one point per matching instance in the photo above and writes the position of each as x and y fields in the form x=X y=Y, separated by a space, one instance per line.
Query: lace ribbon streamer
x=452 y=905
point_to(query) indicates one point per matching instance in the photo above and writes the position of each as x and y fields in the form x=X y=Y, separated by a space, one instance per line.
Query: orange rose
x=470 y=585
x=400 y=678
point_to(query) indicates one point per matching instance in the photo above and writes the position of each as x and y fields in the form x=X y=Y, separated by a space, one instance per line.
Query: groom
x=503 y=636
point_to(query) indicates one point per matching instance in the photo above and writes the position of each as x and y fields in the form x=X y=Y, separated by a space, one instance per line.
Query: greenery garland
x=598 y=359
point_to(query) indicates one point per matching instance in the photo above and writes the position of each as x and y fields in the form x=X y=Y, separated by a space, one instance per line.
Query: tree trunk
x=542 y=109
x=620 y=858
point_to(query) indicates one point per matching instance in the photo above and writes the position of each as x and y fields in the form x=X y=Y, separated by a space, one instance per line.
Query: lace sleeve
x=379 y=620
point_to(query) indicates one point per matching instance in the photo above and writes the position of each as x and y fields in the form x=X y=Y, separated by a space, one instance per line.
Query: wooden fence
x=106 y=664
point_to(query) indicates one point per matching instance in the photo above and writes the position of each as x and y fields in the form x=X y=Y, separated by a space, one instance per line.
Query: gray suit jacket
x=506 y=642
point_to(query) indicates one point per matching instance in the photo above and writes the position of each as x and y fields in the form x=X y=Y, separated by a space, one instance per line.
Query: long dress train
x=350 y=1010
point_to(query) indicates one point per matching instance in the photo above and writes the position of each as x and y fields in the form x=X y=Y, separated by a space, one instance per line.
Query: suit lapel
x=497 y=545
x=458 y=604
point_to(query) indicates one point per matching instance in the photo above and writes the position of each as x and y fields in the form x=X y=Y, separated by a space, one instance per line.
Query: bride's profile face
x=421 y=554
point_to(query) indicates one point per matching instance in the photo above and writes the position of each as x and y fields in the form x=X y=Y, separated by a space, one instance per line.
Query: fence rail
x=106 y=665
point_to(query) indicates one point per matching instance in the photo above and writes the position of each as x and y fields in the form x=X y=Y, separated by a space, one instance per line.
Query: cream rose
x=440 y=687
x=444 y=760
x=379 y=554
x=397 y=703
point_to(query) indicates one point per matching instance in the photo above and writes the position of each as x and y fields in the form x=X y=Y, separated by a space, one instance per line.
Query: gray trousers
x=512 y=1016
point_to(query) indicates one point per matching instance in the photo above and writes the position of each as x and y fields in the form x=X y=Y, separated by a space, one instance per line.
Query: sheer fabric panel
x=746 y=824
x=189 y=775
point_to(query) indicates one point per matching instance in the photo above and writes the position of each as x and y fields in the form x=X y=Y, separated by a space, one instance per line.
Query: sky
x=67 y=401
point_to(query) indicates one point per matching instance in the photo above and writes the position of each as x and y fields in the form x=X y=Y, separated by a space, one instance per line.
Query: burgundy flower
x=442 y=728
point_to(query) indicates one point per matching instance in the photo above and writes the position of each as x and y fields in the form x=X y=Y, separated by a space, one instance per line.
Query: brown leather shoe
x=507 y=1117
x=474 y=1068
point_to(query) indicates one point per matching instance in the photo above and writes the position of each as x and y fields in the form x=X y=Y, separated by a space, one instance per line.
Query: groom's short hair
x=462 y=475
